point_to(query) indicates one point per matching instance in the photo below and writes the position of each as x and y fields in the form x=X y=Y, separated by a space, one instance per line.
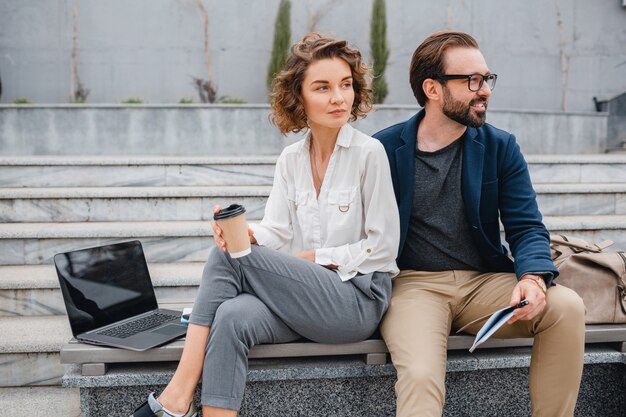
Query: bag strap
x=596 y=248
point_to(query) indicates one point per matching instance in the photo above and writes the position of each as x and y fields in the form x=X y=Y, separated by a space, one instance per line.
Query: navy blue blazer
x=495 y=186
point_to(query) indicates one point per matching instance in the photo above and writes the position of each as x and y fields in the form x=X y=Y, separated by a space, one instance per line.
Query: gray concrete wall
x=549 y=54
x=616 y=124
x=243 y=130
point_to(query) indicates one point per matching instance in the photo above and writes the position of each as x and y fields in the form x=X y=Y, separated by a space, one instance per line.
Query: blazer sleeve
x=525 y=232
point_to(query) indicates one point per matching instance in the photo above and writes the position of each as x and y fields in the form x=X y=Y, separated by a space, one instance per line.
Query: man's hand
x=527 y=289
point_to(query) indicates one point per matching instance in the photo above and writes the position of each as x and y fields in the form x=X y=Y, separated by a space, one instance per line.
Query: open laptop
x=110 y=300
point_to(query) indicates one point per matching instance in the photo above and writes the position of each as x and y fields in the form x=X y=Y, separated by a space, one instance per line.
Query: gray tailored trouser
x=272 y=297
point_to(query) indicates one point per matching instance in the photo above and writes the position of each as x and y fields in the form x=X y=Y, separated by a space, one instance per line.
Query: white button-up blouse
x=354 y=222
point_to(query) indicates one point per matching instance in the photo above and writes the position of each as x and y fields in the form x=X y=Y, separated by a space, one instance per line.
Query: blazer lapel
x=405 y=167
x=473 y=158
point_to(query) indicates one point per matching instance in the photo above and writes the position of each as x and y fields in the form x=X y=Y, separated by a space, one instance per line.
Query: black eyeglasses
x=474 y=81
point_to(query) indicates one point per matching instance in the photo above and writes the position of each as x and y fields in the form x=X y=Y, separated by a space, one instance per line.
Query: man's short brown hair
x=427 y=61
x=286 y=97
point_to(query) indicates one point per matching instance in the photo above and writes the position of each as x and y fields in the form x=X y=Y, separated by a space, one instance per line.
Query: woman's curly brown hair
x=286 y=98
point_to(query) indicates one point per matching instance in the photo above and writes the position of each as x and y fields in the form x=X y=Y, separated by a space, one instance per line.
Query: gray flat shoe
x=153 y=408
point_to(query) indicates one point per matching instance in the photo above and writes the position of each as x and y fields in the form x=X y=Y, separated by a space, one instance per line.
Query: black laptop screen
x=104 y=285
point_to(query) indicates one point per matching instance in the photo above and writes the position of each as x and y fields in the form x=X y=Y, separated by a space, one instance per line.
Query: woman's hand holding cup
x=218 y=235
x=231 y=232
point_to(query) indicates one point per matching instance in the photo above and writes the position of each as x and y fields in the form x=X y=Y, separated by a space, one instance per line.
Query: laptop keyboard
x=137 y=326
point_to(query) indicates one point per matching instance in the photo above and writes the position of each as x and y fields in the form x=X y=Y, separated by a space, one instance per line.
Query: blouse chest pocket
x=304 y=209
x=344 y=208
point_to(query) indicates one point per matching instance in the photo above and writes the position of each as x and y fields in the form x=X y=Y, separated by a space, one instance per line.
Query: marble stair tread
x=136 y=192
x=105 y=229
x=51 y=401
x=601 y=158
x=34 y=334
x=105 y=160
x=29 y=160
x=22 y=277
x=241 y=191
x=203 y=229
x=582 y=223
x=580 y=188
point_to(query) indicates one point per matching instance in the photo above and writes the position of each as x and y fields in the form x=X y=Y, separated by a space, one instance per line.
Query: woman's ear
x=432 y=89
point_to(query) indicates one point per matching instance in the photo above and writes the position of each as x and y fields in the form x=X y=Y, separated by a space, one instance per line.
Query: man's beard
x=461 y=112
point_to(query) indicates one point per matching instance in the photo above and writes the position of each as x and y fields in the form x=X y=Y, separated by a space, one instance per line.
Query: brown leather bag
x=598 y=277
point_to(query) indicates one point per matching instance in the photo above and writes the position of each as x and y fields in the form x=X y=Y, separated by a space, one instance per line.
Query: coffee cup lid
x=230 y=211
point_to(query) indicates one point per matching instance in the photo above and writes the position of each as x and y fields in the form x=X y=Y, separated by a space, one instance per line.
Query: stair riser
x=122 y=209
x=157 y=249
x=582 y=204
x=577 y=173
x=171 y=209
x=138 y=175
x=244 y=174
x=190 y=248
x=48 y=301
x=25 y=401
x=29 y=369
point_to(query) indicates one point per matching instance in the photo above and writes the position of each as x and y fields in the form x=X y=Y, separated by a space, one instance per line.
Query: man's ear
x=432 y=89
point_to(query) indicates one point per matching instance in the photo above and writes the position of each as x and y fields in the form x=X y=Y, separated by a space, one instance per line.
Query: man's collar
x=409 y=133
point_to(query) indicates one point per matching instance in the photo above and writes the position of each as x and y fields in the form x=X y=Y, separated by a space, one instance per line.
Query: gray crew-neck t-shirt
x=439 y=236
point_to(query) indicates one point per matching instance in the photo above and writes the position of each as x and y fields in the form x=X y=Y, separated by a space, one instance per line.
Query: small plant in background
x=282 y=40
x=79 y=92
x=79 y=100
x=185 y=100
x=21 y=100
x=133 y=100
x=206 y=90
x=380 y=52
x=232 y=100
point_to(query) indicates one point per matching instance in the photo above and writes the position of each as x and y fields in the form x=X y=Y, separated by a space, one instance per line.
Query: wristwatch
x=537 y=280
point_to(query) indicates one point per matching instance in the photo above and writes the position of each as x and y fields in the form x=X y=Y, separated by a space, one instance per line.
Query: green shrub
x=380 y=53
x=21 y=100
x=133 y=100
x=185 y=100
x=282 y=40
x=232 y=100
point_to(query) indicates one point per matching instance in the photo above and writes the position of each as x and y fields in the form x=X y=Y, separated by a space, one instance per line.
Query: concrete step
x=103 y=204
x=586 y=168
x=581 y=199
x=33 y=290
x=107 y=204
x=117 y=171
x=49 y=401
x=163 y=242
x=189 y=241
x=29 y=350
x=30 y=346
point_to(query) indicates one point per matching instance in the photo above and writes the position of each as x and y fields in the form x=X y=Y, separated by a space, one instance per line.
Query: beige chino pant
x=426 y=306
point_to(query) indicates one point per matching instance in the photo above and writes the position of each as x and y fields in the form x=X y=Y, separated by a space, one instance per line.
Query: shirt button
x=369 y=250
